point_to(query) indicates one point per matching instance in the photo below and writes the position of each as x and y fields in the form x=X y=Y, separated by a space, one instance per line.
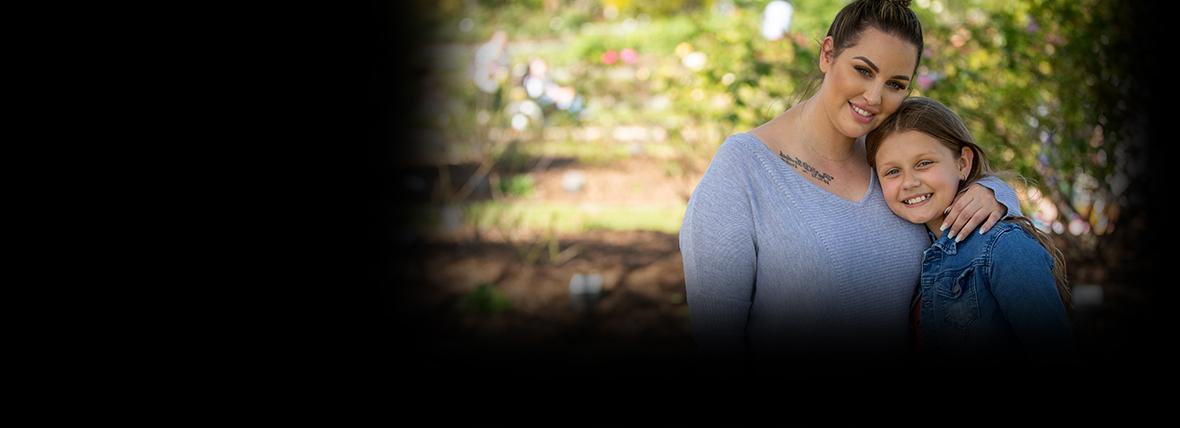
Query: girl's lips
x=862 y=119
x=919 y=204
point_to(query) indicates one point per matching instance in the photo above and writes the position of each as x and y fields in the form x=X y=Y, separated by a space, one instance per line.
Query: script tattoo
x=799 y=164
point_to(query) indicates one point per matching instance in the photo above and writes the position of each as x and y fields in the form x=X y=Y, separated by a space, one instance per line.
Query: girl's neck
x=934 y=224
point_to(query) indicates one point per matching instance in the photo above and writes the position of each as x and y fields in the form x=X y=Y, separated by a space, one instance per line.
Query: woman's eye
x=896 y=86
x=864 y=71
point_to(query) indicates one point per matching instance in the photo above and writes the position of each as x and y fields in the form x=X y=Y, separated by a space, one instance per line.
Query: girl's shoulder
x=1008 y=241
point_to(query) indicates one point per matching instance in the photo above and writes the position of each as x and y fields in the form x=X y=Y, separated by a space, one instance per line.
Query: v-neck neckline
x=868 y=191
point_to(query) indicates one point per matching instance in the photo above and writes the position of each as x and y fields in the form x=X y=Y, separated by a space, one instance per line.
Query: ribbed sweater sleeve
x=1004 y=194
x=717 y=243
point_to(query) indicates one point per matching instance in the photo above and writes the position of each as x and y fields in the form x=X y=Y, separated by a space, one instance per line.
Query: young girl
x=1001 y=293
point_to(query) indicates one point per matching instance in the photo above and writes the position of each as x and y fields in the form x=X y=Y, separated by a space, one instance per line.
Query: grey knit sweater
x=775 y=265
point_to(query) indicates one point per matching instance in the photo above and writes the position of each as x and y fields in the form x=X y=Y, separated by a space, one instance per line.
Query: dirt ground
x=642 y=298
x=641 y=309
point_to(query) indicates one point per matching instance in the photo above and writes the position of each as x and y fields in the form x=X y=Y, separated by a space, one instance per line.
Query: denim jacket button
x=956 y=289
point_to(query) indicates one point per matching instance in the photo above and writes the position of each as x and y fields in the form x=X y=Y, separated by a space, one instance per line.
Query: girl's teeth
x=912 y=201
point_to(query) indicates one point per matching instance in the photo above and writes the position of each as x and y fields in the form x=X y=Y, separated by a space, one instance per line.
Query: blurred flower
x=776 y=19
x=926 y=80
x=802 y=40
x=530 y=108
x=610 y=12
x=1077 y=226
x=610 y=57
x=695 y=61
x=1046 y=211
x=563 y=97
x=629 y=56
x=960 y=37
x=520 y=122
x=1032 y=26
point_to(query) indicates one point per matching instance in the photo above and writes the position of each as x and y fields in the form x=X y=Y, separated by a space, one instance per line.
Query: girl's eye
x=924 y=163
x=891 y=171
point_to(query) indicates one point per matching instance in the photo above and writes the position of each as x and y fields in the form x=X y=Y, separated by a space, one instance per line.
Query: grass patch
x=570 y=218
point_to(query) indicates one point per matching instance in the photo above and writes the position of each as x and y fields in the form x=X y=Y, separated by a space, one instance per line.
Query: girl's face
x=920 y=176
x=866 y=82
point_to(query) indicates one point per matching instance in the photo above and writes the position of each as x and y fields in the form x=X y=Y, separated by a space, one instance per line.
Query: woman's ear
x=827 y=54
x=966 y=159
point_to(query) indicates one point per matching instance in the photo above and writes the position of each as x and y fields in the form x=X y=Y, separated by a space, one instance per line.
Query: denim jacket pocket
x=960 y=299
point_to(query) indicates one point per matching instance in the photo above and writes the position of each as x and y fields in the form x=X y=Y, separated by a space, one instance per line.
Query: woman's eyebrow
x=878 y=69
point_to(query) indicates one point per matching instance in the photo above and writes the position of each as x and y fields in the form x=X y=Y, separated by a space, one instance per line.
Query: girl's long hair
x=930 y=117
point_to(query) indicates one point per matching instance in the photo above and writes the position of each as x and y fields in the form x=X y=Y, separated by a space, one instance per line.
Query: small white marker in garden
x=585 y=290
x=635 y=149
x=573 y=181
x=1086 y=296
x=594 y=284
x=452 y=218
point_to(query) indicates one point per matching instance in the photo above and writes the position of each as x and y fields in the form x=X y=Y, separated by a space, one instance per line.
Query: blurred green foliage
x=485 y=300
x=518 y=185
x=1040 y=82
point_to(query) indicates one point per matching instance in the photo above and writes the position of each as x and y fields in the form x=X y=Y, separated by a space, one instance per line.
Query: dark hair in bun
x=890 y=16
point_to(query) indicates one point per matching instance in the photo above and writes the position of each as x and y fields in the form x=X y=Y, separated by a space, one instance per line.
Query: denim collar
x=945 y=243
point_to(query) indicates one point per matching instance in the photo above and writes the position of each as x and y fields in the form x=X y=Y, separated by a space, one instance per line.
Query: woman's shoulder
x=742 y=144
x=738 y=151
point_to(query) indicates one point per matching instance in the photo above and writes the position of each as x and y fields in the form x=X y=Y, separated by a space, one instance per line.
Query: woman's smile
x=861 y=115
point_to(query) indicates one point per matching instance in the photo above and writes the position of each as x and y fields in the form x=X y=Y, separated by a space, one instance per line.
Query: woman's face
x=866 y=82
x=920 y=176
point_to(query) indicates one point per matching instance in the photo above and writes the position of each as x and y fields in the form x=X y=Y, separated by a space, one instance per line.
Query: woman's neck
x=818 y=134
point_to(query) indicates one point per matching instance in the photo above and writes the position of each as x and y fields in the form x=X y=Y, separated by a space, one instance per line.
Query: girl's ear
x=966 y=158
x=827 y=54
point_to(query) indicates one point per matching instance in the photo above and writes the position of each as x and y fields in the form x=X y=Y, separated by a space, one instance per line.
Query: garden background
x=536 y=185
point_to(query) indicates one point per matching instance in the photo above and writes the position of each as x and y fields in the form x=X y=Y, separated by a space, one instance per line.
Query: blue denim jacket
x=991 y=295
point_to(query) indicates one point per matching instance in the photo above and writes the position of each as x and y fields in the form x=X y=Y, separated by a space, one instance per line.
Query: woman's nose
x=873 y=95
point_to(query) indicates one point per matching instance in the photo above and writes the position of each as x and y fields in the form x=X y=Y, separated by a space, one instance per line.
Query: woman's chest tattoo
x=799 y=164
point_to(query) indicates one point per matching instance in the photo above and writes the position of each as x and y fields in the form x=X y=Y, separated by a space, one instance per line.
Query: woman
x=789 y=248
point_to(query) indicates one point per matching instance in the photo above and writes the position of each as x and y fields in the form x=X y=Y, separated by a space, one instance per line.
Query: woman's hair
x=930 y=117
x=890 y=16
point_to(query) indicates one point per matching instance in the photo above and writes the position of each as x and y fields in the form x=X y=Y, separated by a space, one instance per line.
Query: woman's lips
x=857 y=114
